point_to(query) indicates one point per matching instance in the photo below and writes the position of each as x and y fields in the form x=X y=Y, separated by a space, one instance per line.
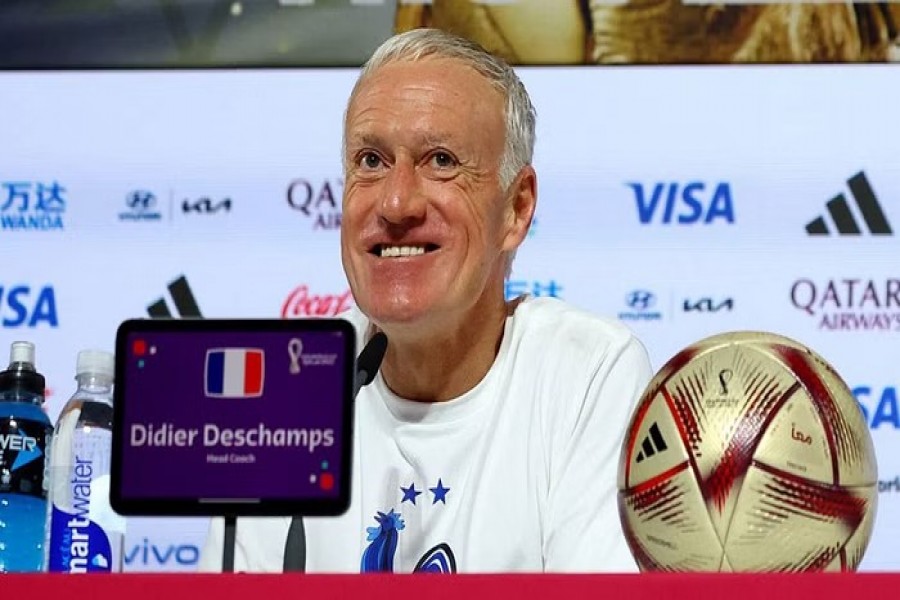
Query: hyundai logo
x=140 y=200
x=640 y=300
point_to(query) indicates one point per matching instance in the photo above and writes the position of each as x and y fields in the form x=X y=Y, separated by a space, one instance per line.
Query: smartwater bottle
x=25 y=431
x=85 y=535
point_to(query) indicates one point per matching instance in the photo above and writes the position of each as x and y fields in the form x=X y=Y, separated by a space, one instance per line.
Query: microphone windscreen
x=371 y=356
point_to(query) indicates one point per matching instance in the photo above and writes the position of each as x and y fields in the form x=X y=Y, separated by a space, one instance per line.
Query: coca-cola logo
x=301 y=303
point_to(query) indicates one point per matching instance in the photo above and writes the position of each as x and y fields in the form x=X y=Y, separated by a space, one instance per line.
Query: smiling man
x=489 y=441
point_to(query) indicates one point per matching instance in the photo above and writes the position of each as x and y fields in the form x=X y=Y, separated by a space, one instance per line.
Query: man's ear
x=521 y=203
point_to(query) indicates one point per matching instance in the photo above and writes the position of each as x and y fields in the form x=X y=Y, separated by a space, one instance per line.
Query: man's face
x=425 y=223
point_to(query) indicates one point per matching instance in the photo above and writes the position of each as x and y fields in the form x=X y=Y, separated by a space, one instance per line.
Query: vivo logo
x=149 y=554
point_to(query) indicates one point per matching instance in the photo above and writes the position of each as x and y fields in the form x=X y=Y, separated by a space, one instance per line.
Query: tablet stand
x=295 y=547
x=228 y=546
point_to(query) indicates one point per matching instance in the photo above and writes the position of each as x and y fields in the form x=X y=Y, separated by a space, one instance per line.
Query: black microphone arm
x=367 y=365
x=368 y=362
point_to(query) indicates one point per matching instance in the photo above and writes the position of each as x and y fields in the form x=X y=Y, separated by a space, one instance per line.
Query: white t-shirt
x=518 y=474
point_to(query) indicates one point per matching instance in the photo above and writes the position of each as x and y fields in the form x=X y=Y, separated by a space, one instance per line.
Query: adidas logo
x=652 y=444
x=843 y=218
x=184 y=300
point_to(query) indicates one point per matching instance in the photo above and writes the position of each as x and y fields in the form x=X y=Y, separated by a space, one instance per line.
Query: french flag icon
x=234 y=372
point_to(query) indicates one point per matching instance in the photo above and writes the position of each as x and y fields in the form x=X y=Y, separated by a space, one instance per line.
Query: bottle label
x=77 y=544
x=84 y=534
x=23 y=445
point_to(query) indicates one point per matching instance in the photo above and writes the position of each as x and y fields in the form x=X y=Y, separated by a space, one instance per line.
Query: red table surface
x=656 y=586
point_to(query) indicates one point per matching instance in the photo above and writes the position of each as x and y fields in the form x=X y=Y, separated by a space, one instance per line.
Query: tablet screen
x=233 y=417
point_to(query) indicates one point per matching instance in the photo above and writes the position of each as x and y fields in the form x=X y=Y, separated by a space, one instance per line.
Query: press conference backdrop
x=684 y=200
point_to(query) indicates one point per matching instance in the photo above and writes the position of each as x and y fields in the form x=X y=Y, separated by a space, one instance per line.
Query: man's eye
x=443 y=160
x=370 y=160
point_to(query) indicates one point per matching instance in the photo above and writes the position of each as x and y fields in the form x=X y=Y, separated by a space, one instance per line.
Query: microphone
x=366 y=368
x=369 y=360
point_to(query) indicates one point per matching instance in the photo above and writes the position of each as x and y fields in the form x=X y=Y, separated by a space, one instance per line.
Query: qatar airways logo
x=318 y=201
x=302 y=303
x=850 y=304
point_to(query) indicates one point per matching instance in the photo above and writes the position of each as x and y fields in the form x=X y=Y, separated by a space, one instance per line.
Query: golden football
x=747 y=452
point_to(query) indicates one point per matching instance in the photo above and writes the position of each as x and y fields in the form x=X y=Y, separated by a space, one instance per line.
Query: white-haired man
x=489 y=440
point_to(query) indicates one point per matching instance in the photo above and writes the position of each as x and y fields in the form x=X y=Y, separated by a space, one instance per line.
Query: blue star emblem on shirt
x=440 y=492
x=410 y=493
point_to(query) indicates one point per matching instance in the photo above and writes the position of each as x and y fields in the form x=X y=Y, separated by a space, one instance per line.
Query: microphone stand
x=228 y=548
x=295 y=547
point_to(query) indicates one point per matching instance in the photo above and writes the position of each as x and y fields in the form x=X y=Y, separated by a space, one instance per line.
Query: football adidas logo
x=184 y=300
x=843 y=218
x=653 y=444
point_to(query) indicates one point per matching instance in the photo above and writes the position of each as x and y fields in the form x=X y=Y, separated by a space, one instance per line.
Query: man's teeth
x=390 y=251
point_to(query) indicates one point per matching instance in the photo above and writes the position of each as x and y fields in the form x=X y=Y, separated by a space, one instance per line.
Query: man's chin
x=393 y=315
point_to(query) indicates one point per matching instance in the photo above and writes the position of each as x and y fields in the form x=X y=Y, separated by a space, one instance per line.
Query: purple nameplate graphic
x=233 y=416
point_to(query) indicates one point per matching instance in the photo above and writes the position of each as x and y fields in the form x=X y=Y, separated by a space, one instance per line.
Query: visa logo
x=879 y=409
x=150 y=554
x=21 y=306
x=687 y=204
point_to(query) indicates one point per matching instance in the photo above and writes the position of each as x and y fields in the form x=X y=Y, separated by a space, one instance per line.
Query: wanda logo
x=301 y=303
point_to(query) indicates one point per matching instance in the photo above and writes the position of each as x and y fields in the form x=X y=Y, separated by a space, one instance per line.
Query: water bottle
x=25 y=432
x=84 y=534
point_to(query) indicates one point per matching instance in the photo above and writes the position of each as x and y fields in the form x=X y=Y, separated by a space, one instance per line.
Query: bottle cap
x=21 y=352
x=97 y=362
x=21 y=377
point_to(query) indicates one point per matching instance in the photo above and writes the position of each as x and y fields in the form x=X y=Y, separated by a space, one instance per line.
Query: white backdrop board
x=676 y=198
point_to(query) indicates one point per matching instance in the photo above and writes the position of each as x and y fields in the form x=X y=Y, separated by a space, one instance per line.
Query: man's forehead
x=385 y=110
x=367 y=134
x=445 y=75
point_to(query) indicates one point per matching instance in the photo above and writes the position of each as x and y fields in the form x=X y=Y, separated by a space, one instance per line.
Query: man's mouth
x=392 y=251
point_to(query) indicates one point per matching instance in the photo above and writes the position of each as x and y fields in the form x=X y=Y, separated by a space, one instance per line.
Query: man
x=490 y=439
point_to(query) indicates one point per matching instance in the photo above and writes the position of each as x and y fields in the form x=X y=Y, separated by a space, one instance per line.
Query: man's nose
x=403 y=203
